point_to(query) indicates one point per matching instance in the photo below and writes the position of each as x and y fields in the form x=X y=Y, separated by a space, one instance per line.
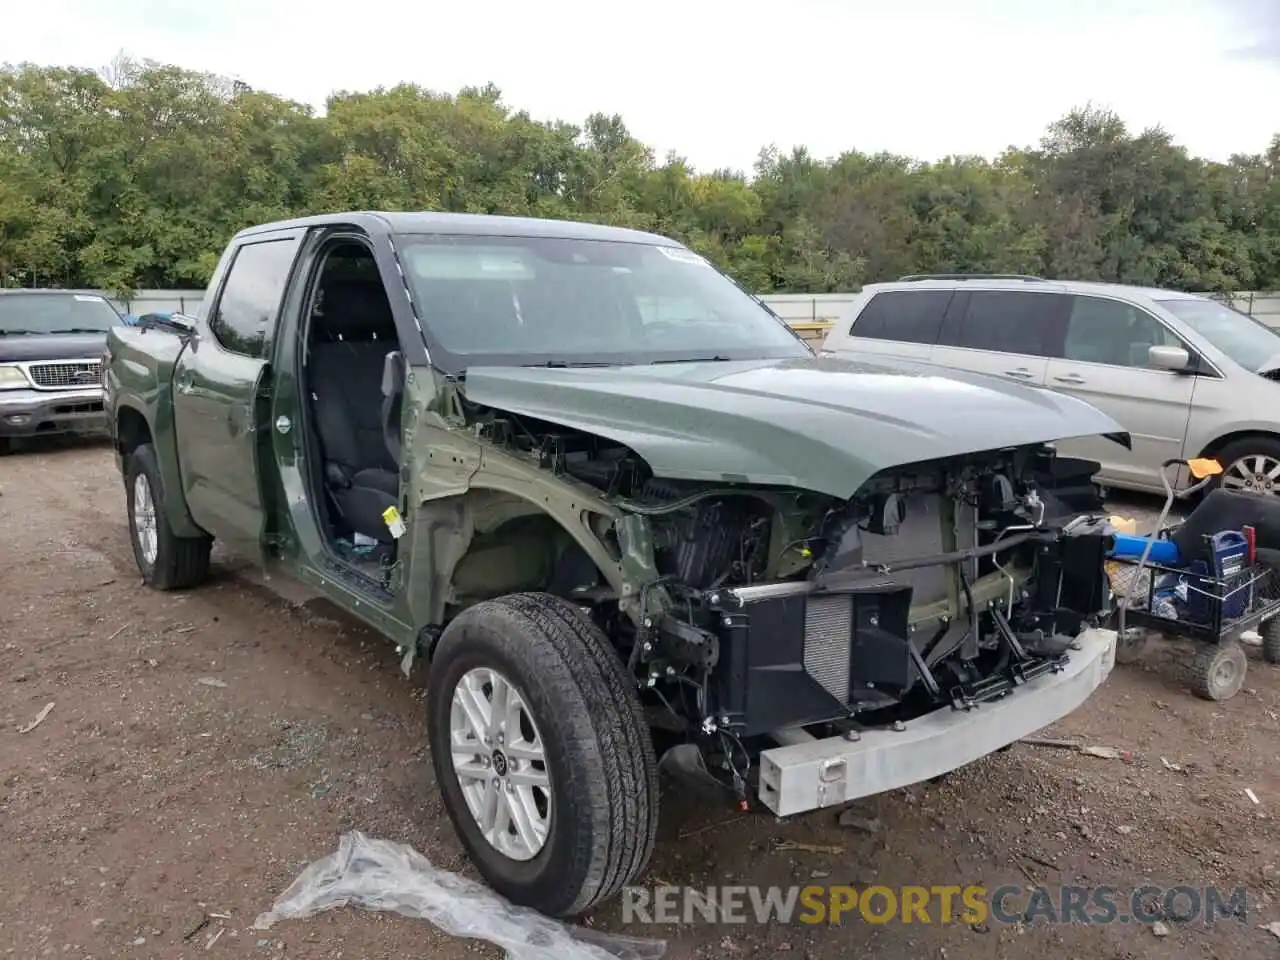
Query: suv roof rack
x=969 y=276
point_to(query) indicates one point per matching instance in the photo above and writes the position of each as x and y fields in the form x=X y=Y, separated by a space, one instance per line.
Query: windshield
x=533 y=300
x=40 y=313
x=1242 y=338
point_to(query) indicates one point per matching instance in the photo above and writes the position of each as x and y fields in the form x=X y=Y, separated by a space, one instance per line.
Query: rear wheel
x=541 y=753
x=166 y=561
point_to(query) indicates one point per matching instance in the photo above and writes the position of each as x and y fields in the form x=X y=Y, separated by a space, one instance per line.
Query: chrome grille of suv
x=66 y=373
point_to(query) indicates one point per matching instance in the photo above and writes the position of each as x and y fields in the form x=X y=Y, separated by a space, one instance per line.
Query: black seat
x=353 y=338
x=1229 y=510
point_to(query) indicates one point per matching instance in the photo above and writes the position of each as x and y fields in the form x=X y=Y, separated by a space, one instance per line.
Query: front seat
x=353 y=339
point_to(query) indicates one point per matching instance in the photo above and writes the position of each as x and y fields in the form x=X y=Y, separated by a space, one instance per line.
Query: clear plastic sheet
x=382 y=875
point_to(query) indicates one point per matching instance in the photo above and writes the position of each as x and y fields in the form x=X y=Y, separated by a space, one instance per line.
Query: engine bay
x=942 y=584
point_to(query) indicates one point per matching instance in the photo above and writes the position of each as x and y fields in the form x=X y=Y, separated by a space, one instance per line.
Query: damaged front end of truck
x=803 y=642
x=804 y=648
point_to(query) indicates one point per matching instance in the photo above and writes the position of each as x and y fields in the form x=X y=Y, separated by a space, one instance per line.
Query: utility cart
x=1213 y=578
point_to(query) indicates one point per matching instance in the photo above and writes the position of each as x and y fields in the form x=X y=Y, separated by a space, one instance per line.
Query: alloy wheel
x=1256 y=473
x=144 y=519
x=500 y=762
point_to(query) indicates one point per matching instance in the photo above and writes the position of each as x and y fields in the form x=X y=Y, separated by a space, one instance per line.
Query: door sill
x=355 y=579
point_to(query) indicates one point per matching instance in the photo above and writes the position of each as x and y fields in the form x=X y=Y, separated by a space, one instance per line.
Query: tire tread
x=602 y=728
x=626 y=750
x=1271 y=640
x=1203 y=664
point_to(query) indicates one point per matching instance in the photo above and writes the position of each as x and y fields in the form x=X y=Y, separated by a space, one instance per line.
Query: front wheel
x=541 y=753
x=1251 y=465
x=165 y=560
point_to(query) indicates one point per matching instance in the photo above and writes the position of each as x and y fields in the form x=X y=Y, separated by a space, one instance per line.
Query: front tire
x=1248 y=465
x=165 y=560
x=541 y=753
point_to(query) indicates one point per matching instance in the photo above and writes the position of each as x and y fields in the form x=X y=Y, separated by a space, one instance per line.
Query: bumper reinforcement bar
x=813 y=774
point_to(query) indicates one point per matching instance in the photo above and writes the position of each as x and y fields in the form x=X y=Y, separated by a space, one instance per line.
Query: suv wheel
x=541 y=753
x=1251 y=465
x=166 y=561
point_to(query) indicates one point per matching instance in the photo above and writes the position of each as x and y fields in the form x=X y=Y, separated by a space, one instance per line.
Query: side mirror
x=179 y=323
x=1168 y=358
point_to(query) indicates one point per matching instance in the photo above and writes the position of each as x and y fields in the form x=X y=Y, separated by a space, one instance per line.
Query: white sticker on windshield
x=87 y=299
x=683 y=256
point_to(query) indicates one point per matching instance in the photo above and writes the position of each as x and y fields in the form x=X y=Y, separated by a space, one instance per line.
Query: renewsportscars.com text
x=937 y=904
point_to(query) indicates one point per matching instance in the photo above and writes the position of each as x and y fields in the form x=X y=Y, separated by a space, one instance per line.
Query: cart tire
x=1271 y=640
x=598 y=805
x=1217 y=673
x=1132 y=645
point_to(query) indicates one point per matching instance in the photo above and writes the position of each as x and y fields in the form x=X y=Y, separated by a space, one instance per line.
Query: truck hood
x=824 y=424
x=21 y=347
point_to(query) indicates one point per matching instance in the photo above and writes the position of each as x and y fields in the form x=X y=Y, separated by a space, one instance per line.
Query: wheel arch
x=1220 y=443
x=132 y=428
x=498 y=539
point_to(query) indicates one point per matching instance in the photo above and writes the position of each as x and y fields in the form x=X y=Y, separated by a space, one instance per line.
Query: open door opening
x=353 y=424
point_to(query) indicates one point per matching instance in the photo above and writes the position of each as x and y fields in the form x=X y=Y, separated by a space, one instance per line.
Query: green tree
x=136 y=176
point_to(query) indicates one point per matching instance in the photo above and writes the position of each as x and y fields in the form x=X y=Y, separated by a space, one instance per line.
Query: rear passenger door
x=1103 y=361
x=1008 y=333
x=898 y=323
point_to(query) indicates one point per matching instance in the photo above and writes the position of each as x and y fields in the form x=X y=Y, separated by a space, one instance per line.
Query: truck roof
x=409 y=222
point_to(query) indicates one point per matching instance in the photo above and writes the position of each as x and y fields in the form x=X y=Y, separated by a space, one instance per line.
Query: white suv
x=1185 y=375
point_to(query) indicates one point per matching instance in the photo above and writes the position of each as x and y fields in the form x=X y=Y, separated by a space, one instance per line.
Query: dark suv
x=51 y=346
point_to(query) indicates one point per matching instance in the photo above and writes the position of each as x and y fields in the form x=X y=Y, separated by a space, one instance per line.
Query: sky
x=716 y=80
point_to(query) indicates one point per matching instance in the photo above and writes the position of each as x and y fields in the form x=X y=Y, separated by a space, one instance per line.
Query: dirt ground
x=204 y=747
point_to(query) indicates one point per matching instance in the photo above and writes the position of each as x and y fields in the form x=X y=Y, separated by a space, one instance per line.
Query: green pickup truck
x=633 y=524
